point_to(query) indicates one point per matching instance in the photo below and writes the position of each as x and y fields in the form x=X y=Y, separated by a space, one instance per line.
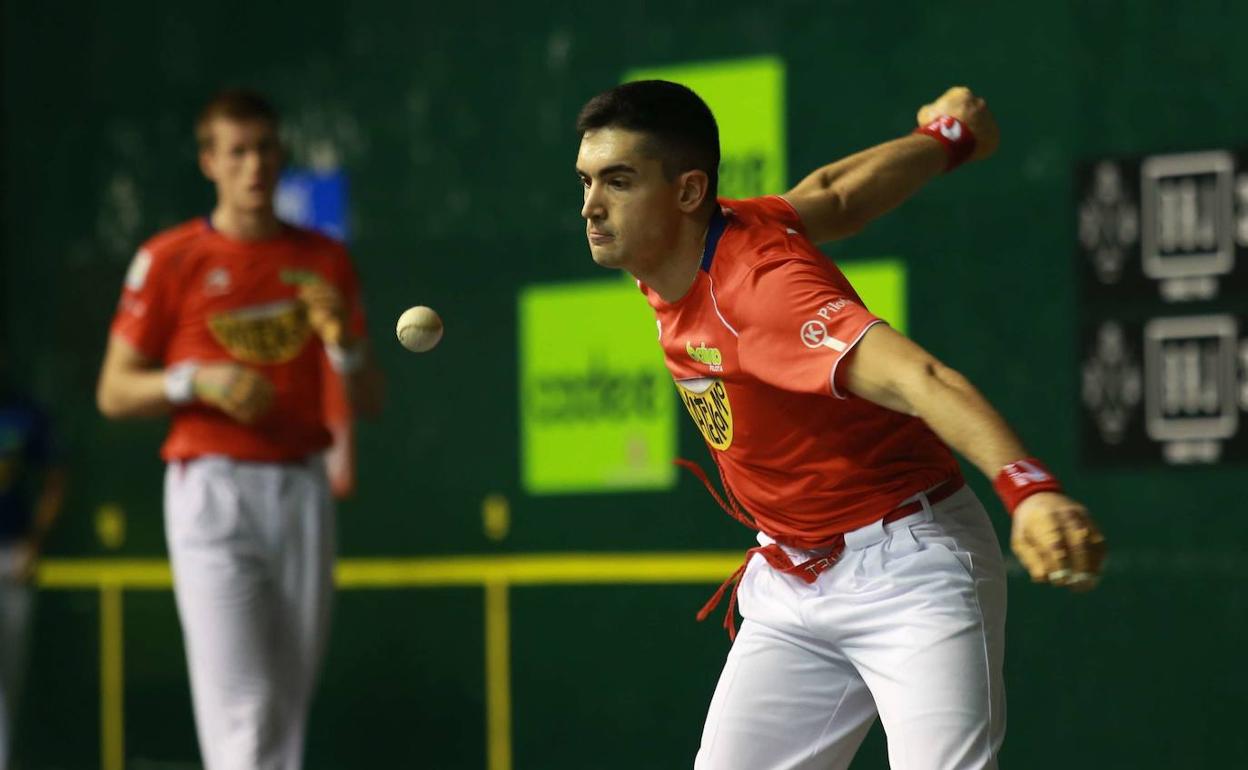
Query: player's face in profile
x=630 y=211
x=244 y=161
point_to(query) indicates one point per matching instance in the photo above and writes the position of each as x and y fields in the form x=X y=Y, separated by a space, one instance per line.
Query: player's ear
x=692 y=189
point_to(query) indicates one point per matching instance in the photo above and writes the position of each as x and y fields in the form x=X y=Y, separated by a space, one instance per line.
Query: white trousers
x=252 y=551
x=909 y=624
x=16 y=599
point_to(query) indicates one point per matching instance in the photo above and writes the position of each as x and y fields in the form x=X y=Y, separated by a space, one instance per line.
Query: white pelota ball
x=419 y=329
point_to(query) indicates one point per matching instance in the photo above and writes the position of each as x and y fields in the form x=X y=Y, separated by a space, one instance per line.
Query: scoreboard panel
x=1162 y=249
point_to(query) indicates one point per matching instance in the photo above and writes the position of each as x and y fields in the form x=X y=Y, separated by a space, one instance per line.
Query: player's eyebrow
x=618 y=168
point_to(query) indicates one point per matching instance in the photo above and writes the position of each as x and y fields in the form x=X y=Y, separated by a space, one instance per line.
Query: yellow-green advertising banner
x=597 y=406
x=747 y=97
x=882 y=285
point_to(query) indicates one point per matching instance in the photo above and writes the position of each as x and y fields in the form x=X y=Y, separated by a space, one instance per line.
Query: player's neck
x=673 y=276
x=245 y=224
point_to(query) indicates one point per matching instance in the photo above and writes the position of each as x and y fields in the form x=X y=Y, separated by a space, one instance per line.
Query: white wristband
x=345 y=360
x=180 y=382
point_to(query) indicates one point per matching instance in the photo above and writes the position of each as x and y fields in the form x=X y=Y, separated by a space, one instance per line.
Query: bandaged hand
x=1057 y=541
x=242 y=393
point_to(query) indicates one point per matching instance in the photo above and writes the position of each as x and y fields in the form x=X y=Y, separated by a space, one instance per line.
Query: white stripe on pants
x=252 y=551
x=909 y=623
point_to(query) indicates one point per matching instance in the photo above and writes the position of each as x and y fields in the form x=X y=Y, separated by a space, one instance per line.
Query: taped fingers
x=248 y=395
x=1029 y=554
x=1055 y=551
x=1087 y=550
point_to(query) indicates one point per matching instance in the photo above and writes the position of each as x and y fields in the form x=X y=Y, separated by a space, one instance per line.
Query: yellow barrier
x=495 y=574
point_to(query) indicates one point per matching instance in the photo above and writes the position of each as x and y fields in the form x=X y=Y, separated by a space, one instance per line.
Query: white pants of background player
x=909 y=624
x=16 y=598
x=252 y=551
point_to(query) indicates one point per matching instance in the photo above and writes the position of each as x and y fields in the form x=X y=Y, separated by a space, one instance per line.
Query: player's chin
x=606 y=255
x=258 y=197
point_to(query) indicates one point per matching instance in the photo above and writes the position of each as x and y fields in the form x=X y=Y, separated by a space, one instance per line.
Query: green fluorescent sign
x=747 y=97
x=597 y=406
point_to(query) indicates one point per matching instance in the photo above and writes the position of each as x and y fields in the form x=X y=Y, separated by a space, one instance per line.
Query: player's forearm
x=847 y=195
x=959 y=414
x=125 y=393
x=353 y=360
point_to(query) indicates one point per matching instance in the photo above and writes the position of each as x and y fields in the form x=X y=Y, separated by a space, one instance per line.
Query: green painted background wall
x=454 y=124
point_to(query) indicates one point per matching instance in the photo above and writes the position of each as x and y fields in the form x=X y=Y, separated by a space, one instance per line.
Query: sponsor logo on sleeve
x=815 y=335
x=835 y=306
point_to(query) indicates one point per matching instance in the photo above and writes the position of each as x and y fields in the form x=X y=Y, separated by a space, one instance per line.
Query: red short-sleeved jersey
x=754 y=347
x=193 y=293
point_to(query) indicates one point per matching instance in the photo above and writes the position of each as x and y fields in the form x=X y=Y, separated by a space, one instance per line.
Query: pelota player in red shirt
x=878 y=585
x=233 y=324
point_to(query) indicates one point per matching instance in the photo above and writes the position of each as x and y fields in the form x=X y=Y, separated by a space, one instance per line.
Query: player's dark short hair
x=681 y=129
x=238 y=104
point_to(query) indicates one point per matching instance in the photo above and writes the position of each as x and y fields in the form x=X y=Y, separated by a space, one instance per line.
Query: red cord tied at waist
x=807 y=571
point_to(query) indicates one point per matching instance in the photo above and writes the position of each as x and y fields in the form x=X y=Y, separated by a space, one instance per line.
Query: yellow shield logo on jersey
x=264 y=334
x=707 y=401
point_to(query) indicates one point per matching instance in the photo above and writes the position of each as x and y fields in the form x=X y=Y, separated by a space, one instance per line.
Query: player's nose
x=593 y=207
x=592 y=210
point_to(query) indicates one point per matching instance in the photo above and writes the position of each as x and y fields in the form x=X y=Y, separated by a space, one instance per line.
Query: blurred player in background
x=231 y=323
x=32 y=486
x=878 y=585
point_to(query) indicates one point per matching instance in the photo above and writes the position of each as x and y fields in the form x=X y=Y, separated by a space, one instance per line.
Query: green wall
x=454 y=124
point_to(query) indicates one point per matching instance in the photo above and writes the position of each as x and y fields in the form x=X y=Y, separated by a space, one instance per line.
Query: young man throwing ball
x=878 y=585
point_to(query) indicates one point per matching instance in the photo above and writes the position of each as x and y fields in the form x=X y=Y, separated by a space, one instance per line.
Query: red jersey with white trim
x=193 y=293
x=754 y=347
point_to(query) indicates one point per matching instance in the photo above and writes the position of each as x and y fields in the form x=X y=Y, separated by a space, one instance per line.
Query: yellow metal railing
x=495 y=574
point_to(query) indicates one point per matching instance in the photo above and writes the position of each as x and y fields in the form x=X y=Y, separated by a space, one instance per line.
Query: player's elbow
x=849 y=215
x=947 y=377
x=107 y=402
x=109 y=399
x=925 y=382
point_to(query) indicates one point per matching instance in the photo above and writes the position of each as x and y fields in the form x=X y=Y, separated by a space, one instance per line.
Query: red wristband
x=957 y=139
x=1022 y=479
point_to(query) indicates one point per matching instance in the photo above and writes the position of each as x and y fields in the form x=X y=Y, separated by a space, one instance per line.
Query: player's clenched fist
x=327 y=310
x=242 y=393
x=1057 y=541
x=960 y=103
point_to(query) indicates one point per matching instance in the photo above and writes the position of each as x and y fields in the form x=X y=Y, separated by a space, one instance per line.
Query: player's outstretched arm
x=1053 y=535
x=841 y=198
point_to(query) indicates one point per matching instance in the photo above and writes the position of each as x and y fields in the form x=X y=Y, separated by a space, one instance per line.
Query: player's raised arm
x=1053 y=536
x=841 y=198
